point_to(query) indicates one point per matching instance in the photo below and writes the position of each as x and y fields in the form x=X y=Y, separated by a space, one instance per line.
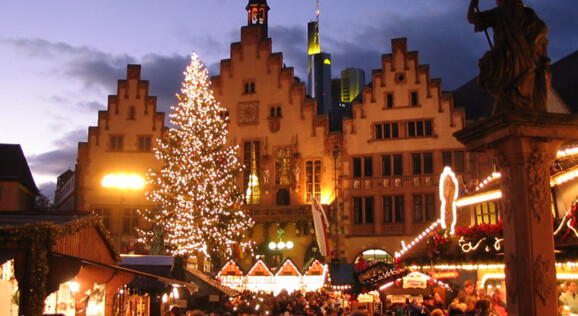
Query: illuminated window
x=251 y=159
x=144 y=143
x=313 y=179
x=363 y=212
x=393 y=209
x=104 y=212
x=129 y=220
x=283 y=166
x=362 y=167
x=454 y=159
x=423 y=207
x=391 y=165
x=376 y=254
x=421 y=163
x=487 y=212
x=116 y=143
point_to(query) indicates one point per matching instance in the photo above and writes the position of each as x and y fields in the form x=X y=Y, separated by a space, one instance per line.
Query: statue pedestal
x=523 y=146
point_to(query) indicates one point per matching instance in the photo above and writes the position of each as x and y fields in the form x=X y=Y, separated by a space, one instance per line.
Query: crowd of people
x=286 y=304
x=468 y=302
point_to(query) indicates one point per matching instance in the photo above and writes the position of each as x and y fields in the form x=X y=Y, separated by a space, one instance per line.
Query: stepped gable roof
x=14 y=167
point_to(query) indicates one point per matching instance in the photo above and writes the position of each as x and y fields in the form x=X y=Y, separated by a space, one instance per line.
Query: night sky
x=59 y=60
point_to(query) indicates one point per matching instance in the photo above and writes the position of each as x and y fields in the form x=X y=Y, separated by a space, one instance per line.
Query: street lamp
x=281 y=245
x=336 y=204
x=122 y=182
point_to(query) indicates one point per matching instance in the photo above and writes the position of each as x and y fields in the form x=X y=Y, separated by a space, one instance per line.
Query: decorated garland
x=38 y=240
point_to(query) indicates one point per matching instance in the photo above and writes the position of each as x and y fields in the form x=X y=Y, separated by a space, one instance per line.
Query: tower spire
x=317 y=12
x=314 y=46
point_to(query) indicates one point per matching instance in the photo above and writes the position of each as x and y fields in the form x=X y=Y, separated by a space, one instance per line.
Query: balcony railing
x=362 y=230
x=393 y=229
x=263 y=214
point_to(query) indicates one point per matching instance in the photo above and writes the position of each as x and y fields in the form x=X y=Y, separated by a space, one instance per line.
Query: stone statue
x=266 y=175
x=516 y=70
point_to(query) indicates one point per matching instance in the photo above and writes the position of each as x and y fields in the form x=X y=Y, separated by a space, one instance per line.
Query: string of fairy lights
x=495 y=194
x=199 y=206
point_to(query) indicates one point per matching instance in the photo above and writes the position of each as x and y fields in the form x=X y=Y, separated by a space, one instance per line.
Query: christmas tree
x=199 y=205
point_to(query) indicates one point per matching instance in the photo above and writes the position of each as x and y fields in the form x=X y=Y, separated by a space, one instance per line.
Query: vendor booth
x=65 y=263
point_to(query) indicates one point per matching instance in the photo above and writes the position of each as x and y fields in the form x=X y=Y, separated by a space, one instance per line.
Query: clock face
x=248 y=113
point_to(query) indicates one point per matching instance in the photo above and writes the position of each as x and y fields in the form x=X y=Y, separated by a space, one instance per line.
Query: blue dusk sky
x=60 y=59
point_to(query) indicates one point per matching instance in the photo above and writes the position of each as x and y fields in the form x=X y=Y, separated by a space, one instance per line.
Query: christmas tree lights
x=199 y=205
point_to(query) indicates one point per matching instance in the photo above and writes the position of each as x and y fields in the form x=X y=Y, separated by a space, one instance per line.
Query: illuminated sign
x=444 y=274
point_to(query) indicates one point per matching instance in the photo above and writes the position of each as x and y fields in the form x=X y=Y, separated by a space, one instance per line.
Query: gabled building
x=378 y=178
x=112 y=165
x=17 y=188
x=283 y=142
x=394 y=149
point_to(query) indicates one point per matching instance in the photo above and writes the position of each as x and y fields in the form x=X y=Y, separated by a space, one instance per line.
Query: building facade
x=283 y=143
x=378 y=179
x=394 y=150
x=113 y=163
x=64 y=194
x=18 y=190
x=377 y=175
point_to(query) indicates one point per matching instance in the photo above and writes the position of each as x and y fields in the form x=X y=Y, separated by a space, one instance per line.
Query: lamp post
x=336 y=204
x=122 y=182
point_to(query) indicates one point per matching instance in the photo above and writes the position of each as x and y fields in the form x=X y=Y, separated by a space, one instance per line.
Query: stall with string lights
x=286 y=277
x=468 y=235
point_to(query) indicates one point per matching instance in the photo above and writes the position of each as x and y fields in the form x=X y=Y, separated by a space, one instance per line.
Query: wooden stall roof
x=76 y=234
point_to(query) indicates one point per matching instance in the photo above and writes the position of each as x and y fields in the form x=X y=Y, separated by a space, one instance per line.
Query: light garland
x=467 y=246
x=567 y=152
x=450 y=176
x=288 y=277
x=564 y=176
x=413 y=274
x=495 y=175
x=406 y=248
x=488 y=196
x=448 y=182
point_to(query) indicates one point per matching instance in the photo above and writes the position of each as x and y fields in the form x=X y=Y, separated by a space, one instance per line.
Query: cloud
x=47 y=189
x=292 y=42
x=165 y=75
x=53 y=162
x=94 y=68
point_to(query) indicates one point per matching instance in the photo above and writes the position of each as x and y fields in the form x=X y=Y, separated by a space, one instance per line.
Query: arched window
x=375 y=254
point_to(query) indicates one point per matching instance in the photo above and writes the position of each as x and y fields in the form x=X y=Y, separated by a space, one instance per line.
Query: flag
x=320 y=223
